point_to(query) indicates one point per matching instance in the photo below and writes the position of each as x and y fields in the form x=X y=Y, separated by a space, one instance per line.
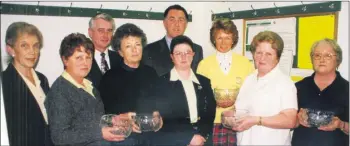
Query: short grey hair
x=335 y=46
x=103 y=16
x=16 y=30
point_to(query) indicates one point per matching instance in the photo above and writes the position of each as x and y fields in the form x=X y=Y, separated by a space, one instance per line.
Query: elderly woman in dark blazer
x=184 y=99
x=25 y=89
x=74 y=105
x=324 y=90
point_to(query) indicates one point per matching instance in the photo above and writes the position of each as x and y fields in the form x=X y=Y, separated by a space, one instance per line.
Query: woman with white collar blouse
x=184 y=99
x=226 y=70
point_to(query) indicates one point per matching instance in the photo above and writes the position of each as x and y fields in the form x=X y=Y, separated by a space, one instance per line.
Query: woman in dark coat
x=25 y=89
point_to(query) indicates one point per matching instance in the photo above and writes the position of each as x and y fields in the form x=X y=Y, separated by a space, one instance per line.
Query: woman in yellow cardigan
x=226 y=70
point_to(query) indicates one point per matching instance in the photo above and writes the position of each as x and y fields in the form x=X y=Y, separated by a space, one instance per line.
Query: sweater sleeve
x=60 y=115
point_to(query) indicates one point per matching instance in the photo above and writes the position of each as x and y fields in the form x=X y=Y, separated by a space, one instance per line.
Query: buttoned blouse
x=266 y=96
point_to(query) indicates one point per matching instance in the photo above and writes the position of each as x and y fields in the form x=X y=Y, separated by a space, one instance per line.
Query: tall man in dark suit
x=157 y=54
x=101 y=28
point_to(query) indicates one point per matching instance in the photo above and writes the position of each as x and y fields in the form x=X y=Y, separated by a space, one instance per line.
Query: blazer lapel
x=164 y=46
x=95 y=67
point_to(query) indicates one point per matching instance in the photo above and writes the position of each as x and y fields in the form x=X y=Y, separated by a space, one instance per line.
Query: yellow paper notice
x=312 y=29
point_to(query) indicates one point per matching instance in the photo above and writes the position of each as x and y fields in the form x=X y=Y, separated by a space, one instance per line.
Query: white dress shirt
x=225 y=61
x=266 y=96
x=98 y=58
x=168 y=41
x=189 y=91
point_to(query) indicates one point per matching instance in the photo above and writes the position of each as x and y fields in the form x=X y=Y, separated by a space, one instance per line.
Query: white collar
x=99 y=53
x=270 y=75
x=224 y=56
x=174 y=76
x=35 y=77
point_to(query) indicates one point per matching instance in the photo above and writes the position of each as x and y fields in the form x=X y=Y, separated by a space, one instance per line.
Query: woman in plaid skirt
x=226 y=70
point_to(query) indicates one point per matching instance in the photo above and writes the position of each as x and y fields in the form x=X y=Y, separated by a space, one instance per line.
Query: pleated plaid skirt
x=223 y=136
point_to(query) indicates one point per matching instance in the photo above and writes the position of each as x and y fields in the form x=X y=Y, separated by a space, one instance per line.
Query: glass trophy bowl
x=120 y=125
x=317 y=118
x=148 y=122
x=230 y=117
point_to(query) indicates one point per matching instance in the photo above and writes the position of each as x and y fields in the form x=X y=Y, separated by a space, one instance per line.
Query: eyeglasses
x=327 y=56
x=178 y=54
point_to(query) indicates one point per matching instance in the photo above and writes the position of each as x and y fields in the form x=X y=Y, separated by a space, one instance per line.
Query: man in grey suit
x=157 y=54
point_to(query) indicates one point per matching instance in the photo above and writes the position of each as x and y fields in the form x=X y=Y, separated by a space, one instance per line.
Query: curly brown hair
x=227 y=26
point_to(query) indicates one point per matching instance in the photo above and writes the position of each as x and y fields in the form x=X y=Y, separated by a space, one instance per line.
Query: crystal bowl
x=317 y=118
x=148 y=122
x=230 y=117
x=120 y=125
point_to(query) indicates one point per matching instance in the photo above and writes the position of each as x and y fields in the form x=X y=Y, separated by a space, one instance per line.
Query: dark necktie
x=104 y=65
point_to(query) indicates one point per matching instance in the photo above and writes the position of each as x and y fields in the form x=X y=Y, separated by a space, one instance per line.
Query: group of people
x=117 y=72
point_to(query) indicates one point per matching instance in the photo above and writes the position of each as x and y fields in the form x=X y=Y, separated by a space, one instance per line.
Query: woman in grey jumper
x=73 y=105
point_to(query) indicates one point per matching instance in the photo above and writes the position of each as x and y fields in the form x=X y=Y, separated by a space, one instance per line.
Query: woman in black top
x=325 y=90
x=122 y=86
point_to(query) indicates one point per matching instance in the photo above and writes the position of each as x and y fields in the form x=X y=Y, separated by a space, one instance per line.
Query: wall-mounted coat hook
x=124 y=13
x=99 y=10
x=37 y=8
x=331 y=6
x=277 y=9
x=255 y=12
x=304 y=8
x=147 y=15
x=252 y=7
x=69 y=11
x=233 y=14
